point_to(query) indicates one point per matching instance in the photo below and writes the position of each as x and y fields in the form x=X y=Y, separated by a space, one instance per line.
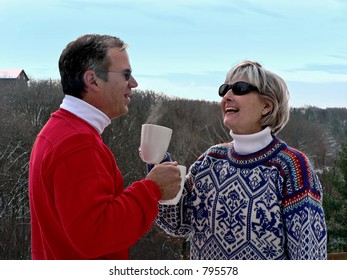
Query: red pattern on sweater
x=79 y=208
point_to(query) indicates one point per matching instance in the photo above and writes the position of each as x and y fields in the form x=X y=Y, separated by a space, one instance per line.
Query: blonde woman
x=253 y=197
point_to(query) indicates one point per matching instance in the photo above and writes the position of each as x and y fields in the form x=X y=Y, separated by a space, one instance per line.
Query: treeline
x=196 y=125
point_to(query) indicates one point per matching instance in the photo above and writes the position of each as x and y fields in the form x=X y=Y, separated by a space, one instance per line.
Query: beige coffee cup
x=155 y=140
x=174 y=201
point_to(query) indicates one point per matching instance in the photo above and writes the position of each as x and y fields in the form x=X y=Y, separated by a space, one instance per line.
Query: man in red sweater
x=79 y=208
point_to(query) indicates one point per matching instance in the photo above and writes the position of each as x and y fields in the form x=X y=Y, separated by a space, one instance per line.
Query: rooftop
x=13 y=74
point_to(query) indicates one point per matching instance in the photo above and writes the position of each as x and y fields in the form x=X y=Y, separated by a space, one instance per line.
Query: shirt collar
x=251 y=143
x=86 y=112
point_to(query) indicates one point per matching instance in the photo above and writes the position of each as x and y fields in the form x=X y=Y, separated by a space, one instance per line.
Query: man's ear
x=91 y=80
x=268 y=107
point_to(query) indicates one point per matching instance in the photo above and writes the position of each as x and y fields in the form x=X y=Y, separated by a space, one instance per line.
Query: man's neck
x=87 y=112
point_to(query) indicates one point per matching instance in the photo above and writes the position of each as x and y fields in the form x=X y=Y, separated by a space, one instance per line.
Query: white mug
x=155 y=140
x=174 y=201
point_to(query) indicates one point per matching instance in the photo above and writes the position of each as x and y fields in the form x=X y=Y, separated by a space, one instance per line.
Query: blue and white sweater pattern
x=266 y=205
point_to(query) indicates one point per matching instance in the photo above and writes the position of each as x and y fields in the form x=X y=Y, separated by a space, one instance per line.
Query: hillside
x=197 y=124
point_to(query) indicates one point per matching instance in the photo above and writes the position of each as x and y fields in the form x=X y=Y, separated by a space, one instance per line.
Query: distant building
x=13 y=76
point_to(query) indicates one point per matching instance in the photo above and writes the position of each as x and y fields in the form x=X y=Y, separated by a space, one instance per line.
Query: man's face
x=114 y=94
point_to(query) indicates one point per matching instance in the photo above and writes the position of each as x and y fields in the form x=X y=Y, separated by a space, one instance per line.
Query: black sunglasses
x=126 y=73
x=239 y=88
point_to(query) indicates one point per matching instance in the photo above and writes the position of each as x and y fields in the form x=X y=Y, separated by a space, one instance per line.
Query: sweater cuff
x=167 y=158
x=153 y=187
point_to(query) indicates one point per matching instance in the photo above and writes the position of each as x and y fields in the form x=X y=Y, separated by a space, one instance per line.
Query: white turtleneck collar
x=86 y=112
x=251 y=143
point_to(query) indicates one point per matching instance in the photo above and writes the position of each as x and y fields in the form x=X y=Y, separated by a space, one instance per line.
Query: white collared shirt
x=86 y=112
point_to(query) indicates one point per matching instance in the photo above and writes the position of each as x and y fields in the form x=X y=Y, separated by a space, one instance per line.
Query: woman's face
x=243 y=113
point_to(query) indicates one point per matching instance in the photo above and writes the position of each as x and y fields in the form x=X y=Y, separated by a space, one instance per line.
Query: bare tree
x=24 y=110
x=196 y=124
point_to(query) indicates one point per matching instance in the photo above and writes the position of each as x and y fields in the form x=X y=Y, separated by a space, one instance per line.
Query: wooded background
x=196 y=124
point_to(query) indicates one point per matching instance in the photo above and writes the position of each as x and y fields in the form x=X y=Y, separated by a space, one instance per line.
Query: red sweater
x=79 y=208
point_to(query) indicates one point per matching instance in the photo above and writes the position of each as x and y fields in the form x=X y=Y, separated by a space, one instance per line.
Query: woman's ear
x=268 y=107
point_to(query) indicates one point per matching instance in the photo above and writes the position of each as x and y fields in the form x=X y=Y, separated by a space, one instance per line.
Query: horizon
x=171 y=97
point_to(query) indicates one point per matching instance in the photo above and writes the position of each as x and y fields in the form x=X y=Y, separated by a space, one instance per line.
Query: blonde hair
x=271 y=87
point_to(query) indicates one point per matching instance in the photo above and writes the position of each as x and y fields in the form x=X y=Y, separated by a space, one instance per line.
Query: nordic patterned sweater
x=264 y=205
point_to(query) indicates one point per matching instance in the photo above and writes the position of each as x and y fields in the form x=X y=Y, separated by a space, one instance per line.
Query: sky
x=185 y=48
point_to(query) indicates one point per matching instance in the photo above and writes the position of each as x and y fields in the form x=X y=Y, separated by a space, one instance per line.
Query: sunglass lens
x=223 y=89
x=241 y=88
x=127 y=75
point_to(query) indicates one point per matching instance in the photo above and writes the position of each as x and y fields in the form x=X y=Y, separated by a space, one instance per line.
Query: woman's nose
x=229 y=95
